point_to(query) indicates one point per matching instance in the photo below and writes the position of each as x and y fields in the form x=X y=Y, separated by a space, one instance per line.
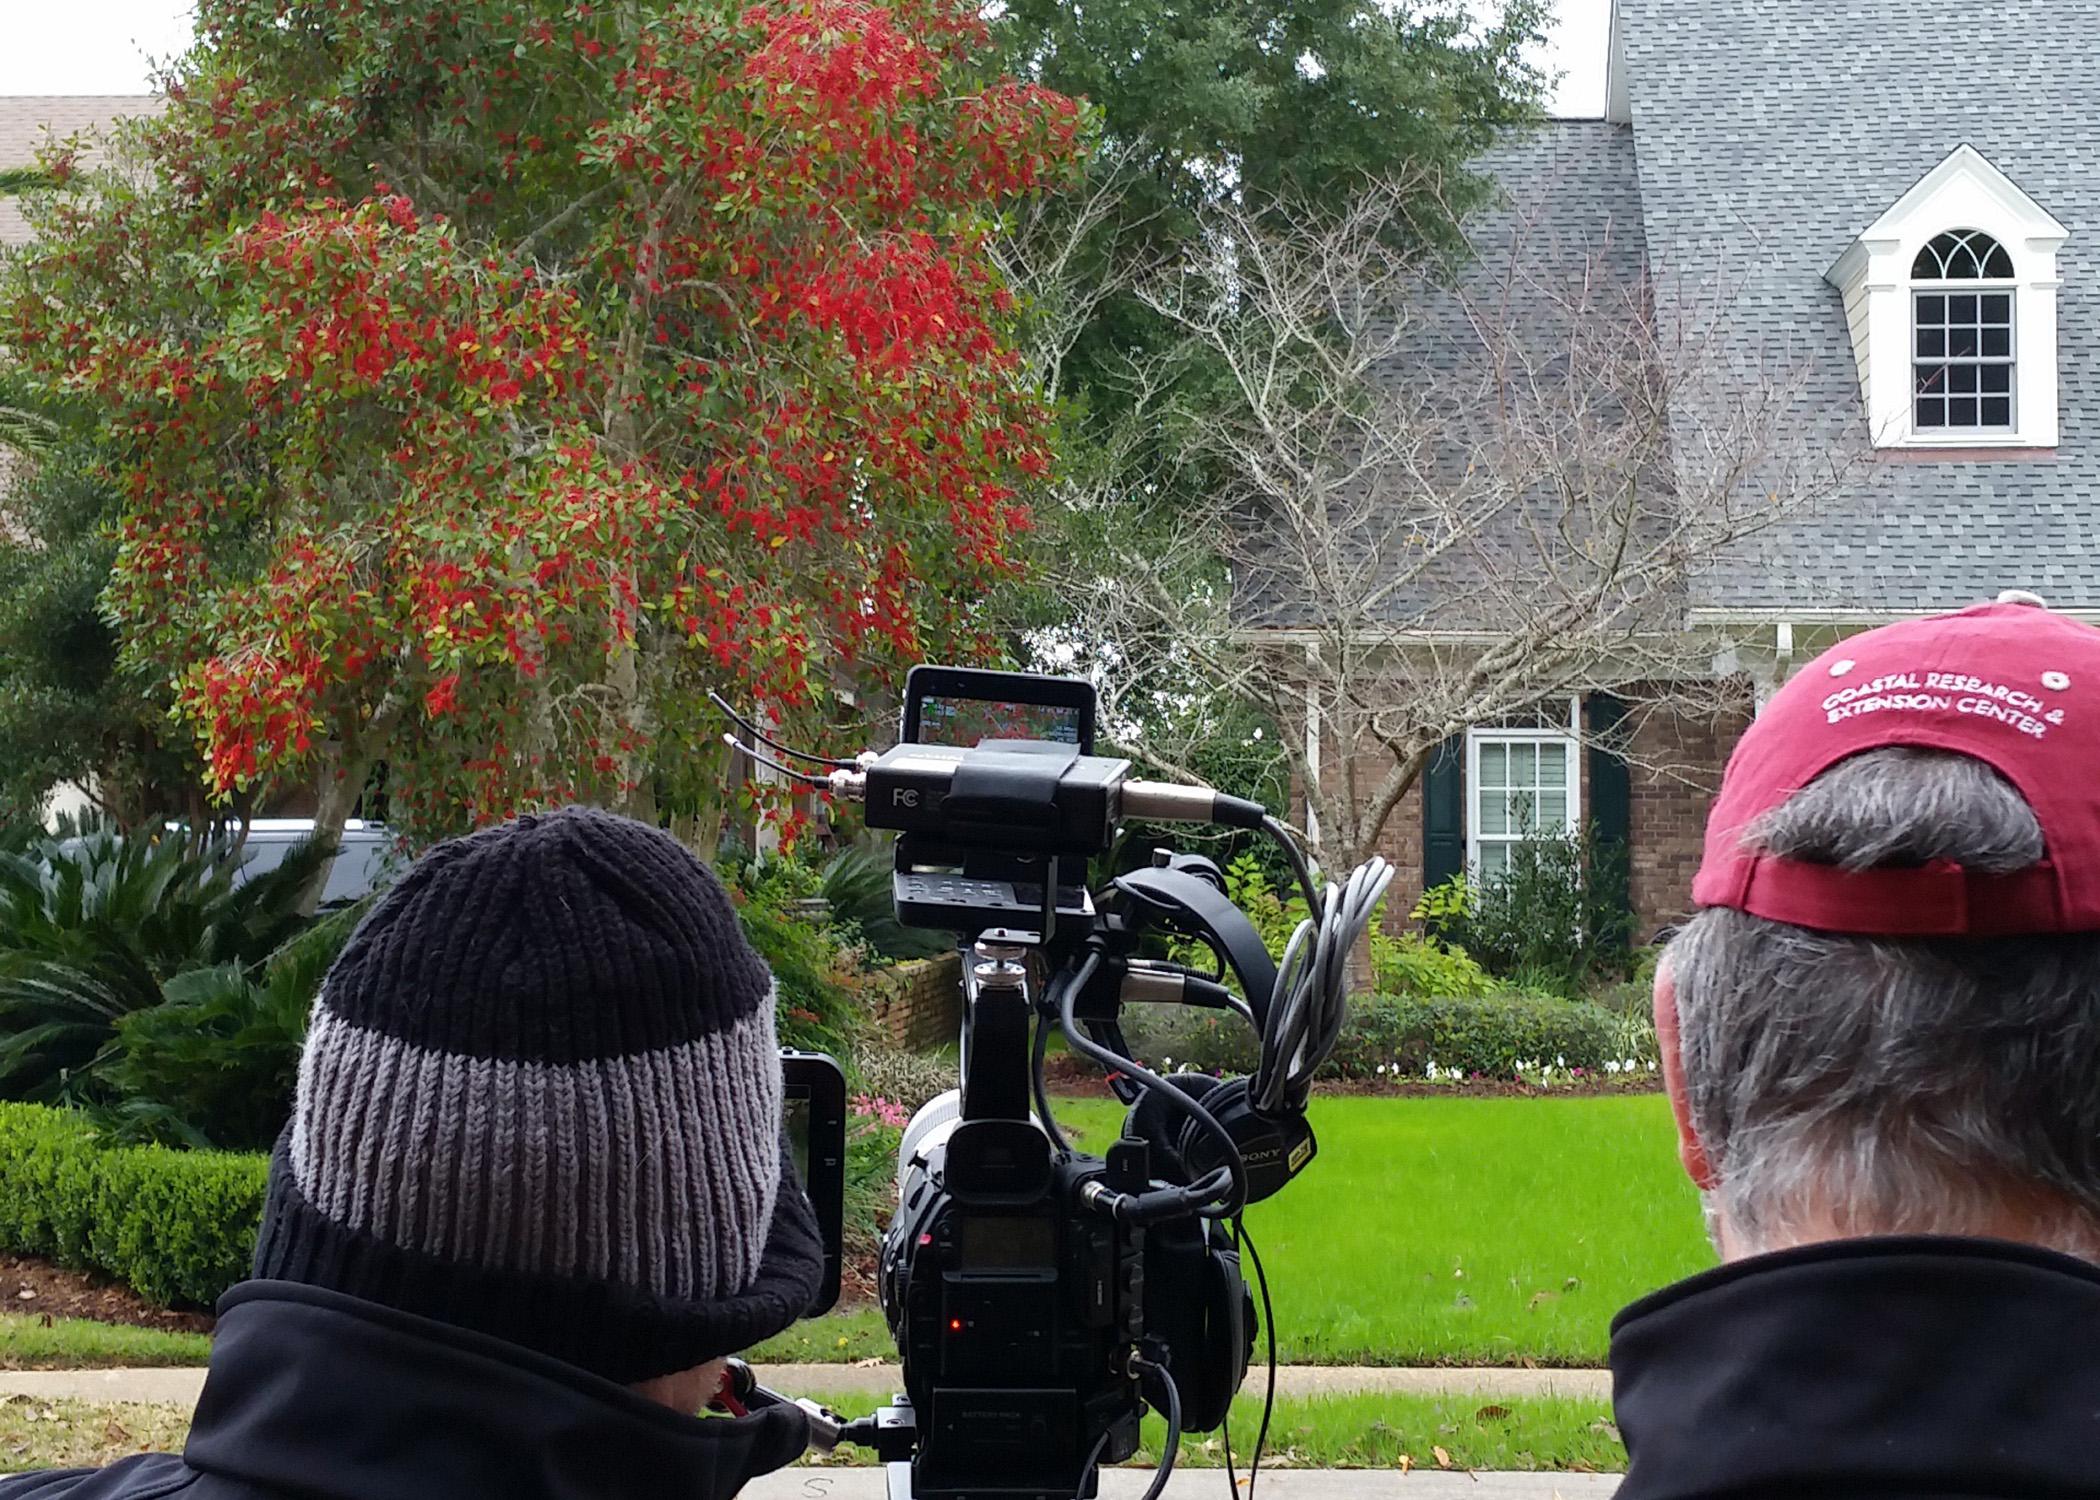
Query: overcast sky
x=107 y=46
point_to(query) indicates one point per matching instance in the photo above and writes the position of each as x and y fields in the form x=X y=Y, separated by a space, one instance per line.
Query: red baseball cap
x=2009 y=683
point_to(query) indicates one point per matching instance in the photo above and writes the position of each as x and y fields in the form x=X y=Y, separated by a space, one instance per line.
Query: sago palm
x=92 y=929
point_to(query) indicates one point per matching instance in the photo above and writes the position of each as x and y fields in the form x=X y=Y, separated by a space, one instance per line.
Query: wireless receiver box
x=1038 y=798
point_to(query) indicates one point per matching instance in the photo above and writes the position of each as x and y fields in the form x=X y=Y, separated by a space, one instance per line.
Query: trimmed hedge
x=1485 y=1034
x=177 y=1227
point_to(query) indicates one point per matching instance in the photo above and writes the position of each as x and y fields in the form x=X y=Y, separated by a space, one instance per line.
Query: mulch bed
x=37 y=1287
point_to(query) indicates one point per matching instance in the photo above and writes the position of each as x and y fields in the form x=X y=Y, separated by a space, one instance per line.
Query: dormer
x=1951 y=300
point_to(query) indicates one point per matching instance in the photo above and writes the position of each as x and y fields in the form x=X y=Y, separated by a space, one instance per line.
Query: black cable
x=822 y=783
x=1311 y=1000
x=769 y=742
x=1268 y=1323
x=1274 y=827
x=1092 y=1459
x=1172 y=1449
x=1042 y=1092
x=1145 y=1078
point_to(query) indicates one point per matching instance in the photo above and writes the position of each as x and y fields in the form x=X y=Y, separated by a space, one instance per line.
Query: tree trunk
x=339 y=791
x=342 y=783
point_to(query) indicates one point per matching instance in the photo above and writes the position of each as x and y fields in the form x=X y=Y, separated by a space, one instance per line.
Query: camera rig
x=1041 y=1296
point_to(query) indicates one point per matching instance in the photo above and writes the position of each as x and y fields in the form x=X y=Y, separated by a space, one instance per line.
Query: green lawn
x=29 y=1343
x=1430 y=1231
x=1471 y=1231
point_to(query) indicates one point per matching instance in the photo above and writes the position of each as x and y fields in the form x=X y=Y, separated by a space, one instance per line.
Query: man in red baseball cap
x=1881 y=1040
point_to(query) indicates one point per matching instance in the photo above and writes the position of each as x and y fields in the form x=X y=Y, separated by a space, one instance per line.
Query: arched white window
x=1962 y=334
x=1950 y=299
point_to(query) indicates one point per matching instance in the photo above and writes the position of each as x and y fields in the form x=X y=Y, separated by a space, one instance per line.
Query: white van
x=365 y=862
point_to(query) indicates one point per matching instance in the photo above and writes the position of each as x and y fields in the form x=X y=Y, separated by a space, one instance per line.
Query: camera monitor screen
x=964 y=706
x=813 y=1117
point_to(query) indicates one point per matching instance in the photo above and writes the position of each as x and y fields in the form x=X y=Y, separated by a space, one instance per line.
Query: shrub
x=92 y=929
x=873 y=1135
x=178 y=1227
x=1411 y=964
x=1484 y=1034
x=1492 y=1034
x=214 y=1064
x=907 y=1079
x=818 y=974
x=1557 y=918
x=857 y=887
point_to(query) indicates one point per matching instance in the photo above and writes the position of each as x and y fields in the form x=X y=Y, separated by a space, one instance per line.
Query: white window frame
x=1964 y=192
x=2010 y=360
x=1571 y=737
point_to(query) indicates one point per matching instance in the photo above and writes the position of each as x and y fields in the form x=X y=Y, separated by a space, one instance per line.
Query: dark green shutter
x=1444 y=813
x=1611 y=792
x=1611 y=785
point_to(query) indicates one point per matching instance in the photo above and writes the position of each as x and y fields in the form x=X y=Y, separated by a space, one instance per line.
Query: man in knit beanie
x=533 y=1190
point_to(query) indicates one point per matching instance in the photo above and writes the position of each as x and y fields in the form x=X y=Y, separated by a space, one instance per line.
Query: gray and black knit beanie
x=541 y=1098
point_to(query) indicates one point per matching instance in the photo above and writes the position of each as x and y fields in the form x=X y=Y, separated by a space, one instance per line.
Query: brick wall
x=1676 y=762
x=919 y=1004
x=1401 y=839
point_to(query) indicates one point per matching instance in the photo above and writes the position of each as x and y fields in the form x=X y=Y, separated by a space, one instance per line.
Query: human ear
x=1690 y=1149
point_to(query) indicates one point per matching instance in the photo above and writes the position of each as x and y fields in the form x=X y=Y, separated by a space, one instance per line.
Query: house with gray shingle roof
x=1902 y=201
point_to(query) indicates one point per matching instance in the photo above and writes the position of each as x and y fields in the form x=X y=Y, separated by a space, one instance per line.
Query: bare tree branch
x=1451 y=492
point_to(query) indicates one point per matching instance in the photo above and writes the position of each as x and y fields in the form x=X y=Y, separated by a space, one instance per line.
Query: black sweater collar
x=1898 y=1366
x=321 y=1395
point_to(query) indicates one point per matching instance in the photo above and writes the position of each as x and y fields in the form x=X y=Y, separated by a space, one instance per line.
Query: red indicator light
x=955 y=1325
x=925 y=1240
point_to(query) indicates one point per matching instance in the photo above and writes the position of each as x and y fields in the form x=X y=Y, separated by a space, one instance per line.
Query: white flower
x=1631 y=1066
x=1432 y=1070
x=1381 y=1070
x=1560 y=1062
x=1167 y=1062
x=1612 y=1066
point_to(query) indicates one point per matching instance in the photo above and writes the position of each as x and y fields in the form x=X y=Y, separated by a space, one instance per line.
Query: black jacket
x=1913 y=1367
x=320 y=1396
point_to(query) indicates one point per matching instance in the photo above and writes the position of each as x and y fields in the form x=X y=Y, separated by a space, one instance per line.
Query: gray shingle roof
x=29 y=121
x=1568 y=209
x=1768 y=137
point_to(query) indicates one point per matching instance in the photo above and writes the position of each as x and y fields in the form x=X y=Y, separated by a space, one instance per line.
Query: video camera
x=1041 y=1296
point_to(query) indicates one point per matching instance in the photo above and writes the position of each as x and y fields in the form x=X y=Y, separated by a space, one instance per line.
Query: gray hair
x=1878 y=1086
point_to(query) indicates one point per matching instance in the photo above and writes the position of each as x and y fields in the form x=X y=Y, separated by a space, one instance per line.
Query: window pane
x=1494 y=766
x=1961 y=309
x=1494 y=859
x=1997 y=411
x=1932 y=379
x=1932 y=342
x=1932 y=309
x=1553 y=765
x=1553 y=811
x=1997 y=341
x=1523 y=764
x=1523 y=811
x=1996 y=380
x=1961 y=380
x=1494 y=813
x=1932 y=411
x=1997 y=307
x=1998 y=264
x=1961 y=411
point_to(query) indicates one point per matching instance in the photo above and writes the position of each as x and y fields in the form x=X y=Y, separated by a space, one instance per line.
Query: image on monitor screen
x=966 y=721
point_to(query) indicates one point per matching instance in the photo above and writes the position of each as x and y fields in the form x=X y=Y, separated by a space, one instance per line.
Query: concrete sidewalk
x=1210 y=1484
x=179 y=1387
